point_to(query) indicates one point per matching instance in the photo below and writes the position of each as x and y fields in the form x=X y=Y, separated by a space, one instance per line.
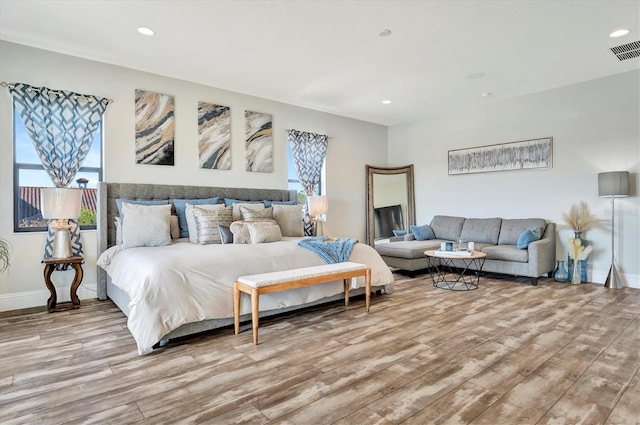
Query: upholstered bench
x=267 y=283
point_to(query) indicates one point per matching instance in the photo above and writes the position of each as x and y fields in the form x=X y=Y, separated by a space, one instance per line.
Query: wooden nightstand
x=49 y=268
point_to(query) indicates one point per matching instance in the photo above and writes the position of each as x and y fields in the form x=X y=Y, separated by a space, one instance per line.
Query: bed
x=185 y=288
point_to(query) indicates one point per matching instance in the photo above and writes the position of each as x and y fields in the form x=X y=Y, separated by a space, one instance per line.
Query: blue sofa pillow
x=399 y=232
x=528 y=236
x=181 y=211
x=423 y=233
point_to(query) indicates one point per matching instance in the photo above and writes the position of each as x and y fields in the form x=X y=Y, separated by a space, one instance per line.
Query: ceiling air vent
x=627 y=51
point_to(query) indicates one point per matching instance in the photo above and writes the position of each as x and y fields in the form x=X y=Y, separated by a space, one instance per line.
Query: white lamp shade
x=56 y=202
x=318 y=205
x=613 y=183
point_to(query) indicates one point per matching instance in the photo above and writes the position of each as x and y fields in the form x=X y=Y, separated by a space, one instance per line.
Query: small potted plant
x=4 y=255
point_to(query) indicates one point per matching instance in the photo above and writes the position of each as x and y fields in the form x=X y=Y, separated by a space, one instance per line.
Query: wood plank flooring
x=506 y=353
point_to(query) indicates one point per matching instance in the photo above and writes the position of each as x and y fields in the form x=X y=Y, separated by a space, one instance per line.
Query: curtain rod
x=3 y=84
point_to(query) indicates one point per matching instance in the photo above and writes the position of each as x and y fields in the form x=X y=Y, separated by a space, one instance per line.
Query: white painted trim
x=628 y=279
x=28 y=299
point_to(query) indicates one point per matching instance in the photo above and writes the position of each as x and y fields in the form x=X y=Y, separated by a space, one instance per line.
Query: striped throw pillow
x=264 y=234
x=240 y=229
x=249 y=214
x=208 y=223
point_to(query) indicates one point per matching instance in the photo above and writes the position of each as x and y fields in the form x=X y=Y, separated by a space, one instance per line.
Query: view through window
x=29 y=177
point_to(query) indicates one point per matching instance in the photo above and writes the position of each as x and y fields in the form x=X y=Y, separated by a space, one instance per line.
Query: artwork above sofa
x=498 y=238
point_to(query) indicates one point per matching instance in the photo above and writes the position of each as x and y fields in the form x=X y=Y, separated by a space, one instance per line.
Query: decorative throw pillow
x=289 y=218
x=528 y=236
x=399 y=232
x=181 y=211
x=208 y=223
x=237 y=216
x=225 y=234
x=173 y=228
x=268 y=204
x=264 y=234
x=229 y=201
x=241 y=231
x=422 y=233
x=146 y=225
x=251 y=215
x=191 y=222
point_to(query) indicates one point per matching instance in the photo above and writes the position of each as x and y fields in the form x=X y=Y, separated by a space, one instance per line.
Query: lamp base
x=61 y=244
x=613 y=279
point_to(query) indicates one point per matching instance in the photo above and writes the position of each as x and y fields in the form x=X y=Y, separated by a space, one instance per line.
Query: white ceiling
x=328 y=56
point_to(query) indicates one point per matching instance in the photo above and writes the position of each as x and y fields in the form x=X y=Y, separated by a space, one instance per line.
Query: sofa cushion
x=528 y=236
x=506 y=253
x=449 y=228
x=511 y=229
x=483 y=230
x=409 y=249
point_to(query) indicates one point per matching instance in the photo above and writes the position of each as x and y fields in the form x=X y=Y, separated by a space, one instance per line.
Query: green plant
x=87 y=217
x=5 y=253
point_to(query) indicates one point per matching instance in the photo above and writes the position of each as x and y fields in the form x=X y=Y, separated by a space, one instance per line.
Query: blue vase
x=560 y=274
x=583 y=265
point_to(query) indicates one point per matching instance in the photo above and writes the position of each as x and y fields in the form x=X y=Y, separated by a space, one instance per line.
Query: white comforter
x=182 y=283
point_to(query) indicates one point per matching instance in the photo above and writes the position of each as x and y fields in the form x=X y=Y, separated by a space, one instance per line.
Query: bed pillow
x=289 y=218
x=225 y=234
x=181 y=211
x=251 y=215
x=264 y=234
x=208 y=223
x=241 y=231
x=268 y=204
x=146 y=225
x=119 y=203
x=191 y=222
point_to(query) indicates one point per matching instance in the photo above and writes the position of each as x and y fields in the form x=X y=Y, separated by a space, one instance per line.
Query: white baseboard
x=20 y=300
x=628 y=279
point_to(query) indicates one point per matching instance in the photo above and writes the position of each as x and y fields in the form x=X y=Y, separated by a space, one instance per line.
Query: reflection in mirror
x=390 y=201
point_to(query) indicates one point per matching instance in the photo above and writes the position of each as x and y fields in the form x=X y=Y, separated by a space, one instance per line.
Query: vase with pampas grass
x=579 y=219
x=578 y=253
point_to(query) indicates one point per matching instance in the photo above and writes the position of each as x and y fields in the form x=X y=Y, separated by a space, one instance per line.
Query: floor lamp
x=613 y=184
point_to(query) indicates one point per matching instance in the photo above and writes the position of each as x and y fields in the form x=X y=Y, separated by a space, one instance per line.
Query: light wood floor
x=507 y=353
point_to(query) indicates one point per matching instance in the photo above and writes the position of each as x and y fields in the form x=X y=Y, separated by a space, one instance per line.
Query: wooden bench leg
x=367 y=279
x=254 y=314
x=236 y=308
x=346 y=291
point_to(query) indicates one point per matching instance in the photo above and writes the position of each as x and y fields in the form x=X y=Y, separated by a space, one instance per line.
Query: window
x=29 y=176
x=294 y=182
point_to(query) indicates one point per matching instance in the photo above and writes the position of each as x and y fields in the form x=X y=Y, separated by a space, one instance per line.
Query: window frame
x=18 y=166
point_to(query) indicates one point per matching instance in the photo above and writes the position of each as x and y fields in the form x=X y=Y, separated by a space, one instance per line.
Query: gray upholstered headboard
x=108 y=210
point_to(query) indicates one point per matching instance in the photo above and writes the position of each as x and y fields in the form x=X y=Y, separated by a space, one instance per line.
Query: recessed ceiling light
x=385 y=33
x=386 y=102
x=485 y=94
x=619 y=33
x=146 y=31
x=475 y=75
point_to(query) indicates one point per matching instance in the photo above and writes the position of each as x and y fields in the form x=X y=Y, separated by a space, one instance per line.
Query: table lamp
x=318 y=207
x=60 y=204
x=613 y=184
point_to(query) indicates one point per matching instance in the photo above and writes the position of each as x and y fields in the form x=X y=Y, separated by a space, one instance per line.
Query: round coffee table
x=449 y=271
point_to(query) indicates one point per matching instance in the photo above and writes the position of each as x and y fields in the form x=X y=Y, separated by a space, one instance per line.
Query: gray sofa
x=495 y=237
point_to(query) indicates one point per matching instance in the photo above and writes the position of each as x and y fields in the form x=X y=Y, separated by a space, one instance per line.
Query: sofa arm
x=542 y=253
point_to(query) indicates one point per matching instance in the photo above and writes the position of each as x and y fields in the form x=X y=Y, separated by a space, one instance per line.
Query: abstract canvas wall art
x=522 y=155
x=258 y=142
x=155 y=125
x=214 y=136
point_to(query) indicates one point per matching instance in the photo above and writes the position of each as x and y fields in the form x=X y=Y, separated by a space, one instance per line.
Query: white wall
x=595 y=127
x=353 y=144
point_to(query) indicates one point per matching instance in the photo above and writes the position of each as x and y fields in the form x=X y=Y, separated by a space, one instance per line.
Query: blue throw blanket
x=331 y=250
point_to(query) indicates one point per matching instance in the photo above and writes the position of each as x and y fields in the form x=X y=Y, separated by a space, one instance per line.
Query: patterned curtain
x=308 y=151
x=62 y=125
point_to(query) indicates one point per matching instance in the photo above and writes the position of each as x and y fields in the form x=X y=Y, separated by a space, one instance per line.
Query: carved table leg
x=75 y=301
x=53 y=299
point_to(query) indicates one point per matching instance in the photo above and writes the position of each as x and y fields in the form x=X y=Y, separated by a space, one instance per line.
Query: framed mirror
x=390 y=201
